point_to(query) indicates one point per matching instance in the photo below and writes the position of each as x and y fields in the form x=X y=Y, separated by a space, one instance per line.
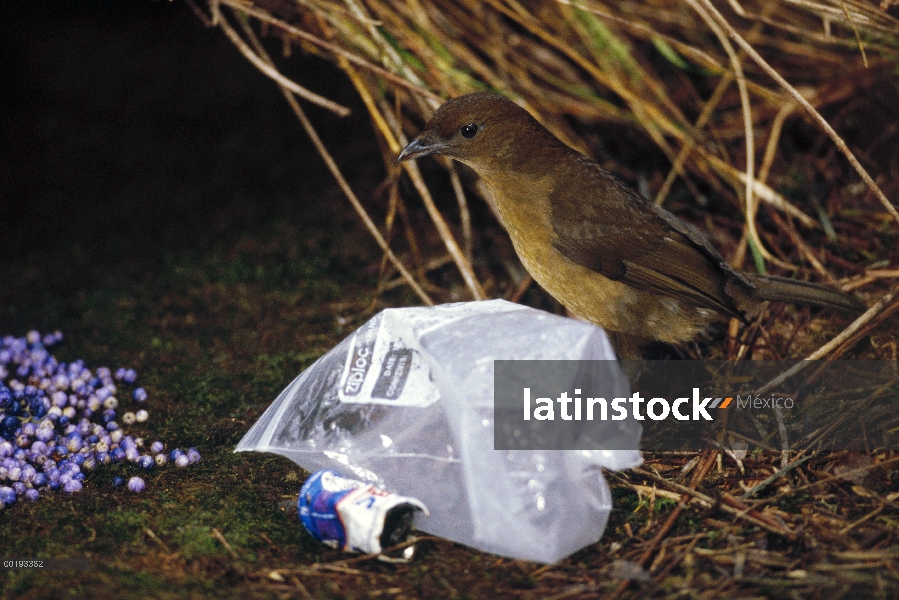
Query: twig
x=831 y=345
x=300 y=587
x=774 y=477
x=464 y=214
x=815 y=115
x=843 y=475
x=784 y=436
x=366 y=557
x=266 y=67
x=672 y=518
x=464 y=267
x=858 y=39
x=751 y=202
x=153 y=537
x=335 y=171
x=773 y=138
x=871 y=514
x=803 y=248
x=707 y=110
x=729 y=504
x=395 y=141
x=218 y=535
x=199 y=13
x=521 y=288
x=336 y=50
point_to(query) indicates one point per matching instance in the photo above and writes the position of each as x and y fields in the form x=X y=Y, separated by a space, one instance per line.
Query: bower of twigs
x=772 y=125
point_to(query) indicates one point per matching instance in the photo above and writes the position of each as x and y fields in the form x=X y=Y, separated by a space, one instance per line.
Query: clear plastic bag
x=406 y=402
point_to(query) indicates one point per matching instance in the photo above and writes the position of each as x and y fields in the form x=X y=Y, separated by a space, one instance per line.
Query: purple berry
x=7 y=496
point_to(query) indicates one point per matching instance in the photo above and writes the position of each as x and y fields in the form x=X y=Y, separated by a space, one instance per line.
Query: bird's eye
x=469 y=131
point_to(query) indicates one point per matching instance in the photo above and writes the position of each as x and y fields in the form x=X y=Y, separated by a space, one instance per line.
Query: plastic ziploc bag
x=406 y=402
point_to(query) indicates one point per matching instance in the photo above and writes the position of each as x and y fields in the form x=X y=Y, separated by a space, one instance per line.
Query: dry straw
x=712 y=85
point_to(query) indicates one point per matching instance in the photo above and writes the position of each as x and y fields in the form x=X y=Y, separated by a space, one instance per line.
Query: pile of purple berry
x=59 y=420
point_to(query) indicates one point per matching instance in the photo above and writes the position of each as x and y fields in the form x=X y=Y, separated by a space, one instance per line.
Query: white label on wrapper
x=363 y=512
x=386 y=368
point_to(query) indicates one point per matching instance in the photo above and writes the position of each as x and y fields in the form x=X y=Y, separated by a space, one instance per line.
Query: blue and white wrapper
x=347 y=514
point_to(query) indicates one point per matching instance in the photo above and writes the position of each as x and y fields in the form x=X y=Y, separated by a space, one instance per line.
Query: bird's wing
x=603 y=225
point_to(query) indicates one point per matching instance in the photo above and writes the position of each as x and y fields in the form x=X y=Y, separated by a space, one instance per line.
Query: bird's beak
x=419 y=147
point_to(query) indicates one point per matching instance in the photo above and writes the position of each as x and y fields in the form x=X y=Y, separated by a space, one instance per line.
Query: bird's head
x=483 y=130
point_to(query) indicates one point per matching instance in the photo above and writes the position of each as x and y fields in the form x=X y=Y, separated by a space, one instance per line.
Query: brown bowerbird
x=600 y=248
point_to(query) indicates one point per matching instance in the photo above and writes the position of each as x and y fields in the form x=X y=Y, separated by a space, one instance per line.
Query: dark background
x=131 y=134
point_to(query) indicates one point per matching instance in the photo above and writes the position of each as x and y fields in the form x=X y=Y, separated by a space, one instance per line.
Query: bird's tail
x=781 y=289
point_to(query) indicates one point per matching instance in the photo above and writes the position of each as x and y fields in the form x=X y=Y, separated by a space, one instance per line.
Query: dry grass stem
x=590 y=61
x=218 y=535
x=284 y=82
x=335 y=171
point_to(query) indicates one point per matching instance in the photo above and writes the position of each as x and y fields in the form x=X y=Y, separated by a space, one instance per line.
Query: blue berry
x=44 y=434
x=7 y=496
x=9 y=423
x=74 y=442
x=58 y=421
x=118 y=481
